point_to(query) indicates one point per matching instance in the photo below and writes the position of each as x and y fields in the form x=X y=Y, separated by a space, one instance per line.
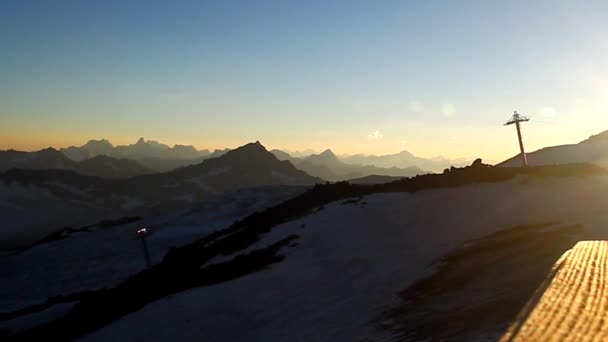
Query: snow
x=8 y=192
x=103 y=258
x=352 y=261
x=35 y=319
x=131 y=202
x=22 y=208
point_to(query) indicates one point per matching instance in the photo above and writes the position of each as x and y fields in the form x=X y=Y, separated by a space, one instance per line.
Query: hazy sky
x=432 y=77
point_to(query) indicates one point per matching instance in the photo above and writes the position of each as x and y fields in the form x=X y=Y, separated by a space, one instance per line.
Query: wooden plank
x=572 y=303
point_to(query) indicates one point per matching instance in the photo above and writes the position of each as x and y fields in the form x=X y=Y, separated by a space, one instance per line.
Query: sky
x=372 y=77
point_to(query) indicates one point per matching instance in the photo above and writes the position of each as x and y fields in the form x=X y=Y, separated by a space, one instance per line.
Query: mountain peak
x=251 y=147
x=251 y=164
x=326 y=156
x=100 y=142
x=249 y=153
x=328 y=153
x=406 y=153
x=141 y=141
x=49 y=150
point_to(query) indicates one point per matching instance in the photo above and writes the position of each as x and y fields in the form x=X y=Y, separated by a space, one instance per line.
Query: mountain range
x=158 y=157
x=100 y=158
x=406 y=159
x=50 y=158
x=328 y=166
x=151 y=154
x=592 y=150
x=48 y=199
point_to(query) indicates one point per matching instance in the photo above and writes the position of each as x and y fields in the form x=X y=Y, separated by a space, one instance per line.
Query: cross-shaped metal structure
x=516 y=119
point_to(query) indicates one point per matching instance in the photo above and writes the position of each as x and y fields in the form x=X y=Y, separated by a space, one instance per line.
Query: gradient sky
x=432 y=77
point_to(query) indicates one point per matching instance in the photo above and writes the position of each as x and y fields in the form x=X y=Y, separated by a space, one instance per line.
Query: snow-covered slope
x=592 y=150
x=354 y=258
x=96 y=259
x=29 y=212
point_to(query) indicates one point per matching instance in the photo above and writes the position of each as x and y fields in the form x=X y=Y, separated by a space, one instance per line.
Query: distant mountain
x=185 y=152
x=150 y=153
x=145 y=149
x=282 y=155
x=91 y=149
x=218 y=153
x=326 y=157
x=250 y=165
x=406 y=159
x=58 y=198
x=51 y=159
x=108 y=167
x=302 y=154
x=592 y=150
x=76 y=154
x=48 y=158
x=328 y=166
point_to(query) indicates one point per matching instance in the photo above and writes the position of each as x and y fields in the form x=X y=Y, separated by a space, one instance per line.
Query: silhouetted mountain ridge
x=406 y=159
x=328 y=166
x=150 y=153
x=247 y=161
x=216 y=153
x=282 y=155
x=251 y=165
x=63 y=197
x=50 y=158
x=591 y=150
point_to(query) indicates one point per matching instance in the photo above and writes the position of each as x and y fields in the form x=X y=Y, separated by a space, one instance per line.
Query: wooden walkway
x=572 y=303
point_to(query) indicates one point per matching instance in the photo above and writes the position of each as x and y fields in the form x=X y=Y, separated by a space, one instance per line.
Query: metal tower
x=516 y=119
